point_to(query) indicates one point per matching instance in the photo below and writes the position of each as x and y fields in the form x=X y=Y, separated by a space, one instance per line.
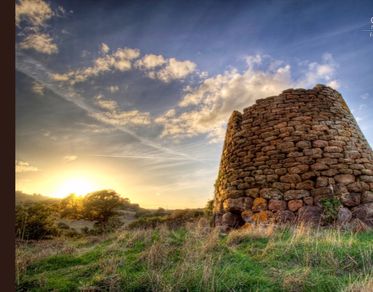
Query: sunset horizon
x=139 y=101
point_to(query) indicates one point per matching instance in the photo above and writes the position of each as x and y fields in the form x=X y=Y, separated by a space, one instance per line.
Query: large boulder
x=364 y=212
x=310 y=214
x=284 y=216
x=344 y=216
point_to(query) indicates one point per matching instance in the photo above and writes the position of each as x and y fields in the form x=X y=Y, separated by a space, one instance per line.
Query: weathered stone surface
x=333 y=149
x=286 y=153
x=320 y=143
x=247 y=216
x=259 y=204
x=322 y=181
x=276 y=205
x=344 y=216
x=237 y=205
x=364 y=212
x=310 y=214
x=308 y=201
x=305 y=185
x=296 y=194
x=299 y=169
x=262 y=217
x=344 y=178
x=285 y=216
x=254 y=192
x=294 y=205
x=319 y=166
x=303 y=144
x=367 y=197
x=357 y=225
x=350 y=199
x=367 y=178
x=271 y=193
x=290 y=178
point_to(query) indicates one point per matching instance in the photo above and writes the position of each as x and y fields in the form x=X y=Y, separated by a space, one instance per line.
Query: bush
x=330 y=208
x=35 y=221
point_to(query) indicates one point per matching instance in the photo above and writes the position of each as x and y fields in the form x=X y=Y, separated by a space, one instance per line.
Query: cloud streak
x=23 y=166
x=39 y=73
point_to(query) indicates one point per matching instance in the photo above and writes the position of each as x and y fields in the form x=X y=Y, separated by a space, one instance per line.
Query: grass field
x=197 y=258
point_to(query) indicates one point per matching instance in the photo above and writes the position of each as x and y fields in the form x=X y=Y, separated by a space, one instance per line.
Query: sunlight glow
x=79 y=186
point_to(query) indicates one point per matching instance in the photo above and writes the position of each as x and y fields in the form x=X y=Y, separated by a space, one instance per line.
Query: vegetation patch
x=194 y=257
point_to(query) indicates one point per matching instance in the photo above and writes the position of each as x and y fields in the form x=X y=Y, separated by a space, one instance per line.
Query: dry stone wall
x=283 y=155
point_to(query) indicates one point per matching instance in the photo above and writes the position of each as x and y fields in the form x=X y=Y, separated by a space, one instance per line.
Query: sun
x=78 y=186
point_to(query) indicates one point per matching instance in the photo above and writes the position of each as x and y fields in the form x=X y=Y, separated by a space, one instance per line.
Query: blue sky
x=135 y=95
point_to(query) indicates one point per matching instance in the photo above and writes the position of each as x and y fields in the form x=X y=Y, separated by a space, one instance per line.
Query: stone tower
x=287 y=154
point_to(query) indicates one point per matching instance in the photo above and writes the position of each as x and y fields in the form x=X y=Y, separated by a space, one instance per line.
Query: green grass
x=196 y=258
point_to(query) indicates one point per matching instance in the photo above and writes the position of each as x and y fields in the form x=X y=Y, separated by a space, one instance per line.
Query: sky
x=135 y=95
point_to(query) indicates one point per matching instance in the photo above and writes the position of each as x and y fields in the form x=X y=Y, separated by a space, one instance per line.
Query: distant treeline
x=38 y=217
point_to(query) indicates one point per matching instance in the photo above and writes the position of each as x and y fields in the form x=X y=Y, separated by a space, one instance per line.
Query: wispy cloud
x=104 y=48
x=23 y=166
x=113 y=115
x=70 y=158
x=38 y=88
x=113 y=88
x=119 y=60
x=123 y=59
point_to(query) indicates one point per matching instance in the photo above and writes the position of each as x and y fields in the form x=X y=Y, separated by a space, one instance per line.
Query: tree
x=101 y=205
x=71 y=207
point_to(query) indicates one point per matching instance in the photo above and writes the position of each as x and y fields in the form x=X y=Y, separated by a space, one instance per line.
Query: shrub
x=330 y=208
x=35 y=221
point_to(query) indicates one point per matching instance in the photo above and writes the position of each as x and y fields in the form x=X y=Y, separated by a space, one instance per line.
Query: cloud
x=151 y=61
x=113 y=88
x=104 y=48
x=112 y=114
x=40 y=42
x=38 y=88
x=320 y=71
x=23 y=166
x=34 y=69
x=155 y=66
x=36 y=12
x=173 y=70
x=69 y=158
x=120 y=60
x=206 y=108
x=106 y=104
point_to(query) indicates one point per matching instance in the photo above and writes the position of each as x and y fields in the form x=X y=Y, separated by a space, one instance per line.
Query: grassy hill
x=197 y=258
